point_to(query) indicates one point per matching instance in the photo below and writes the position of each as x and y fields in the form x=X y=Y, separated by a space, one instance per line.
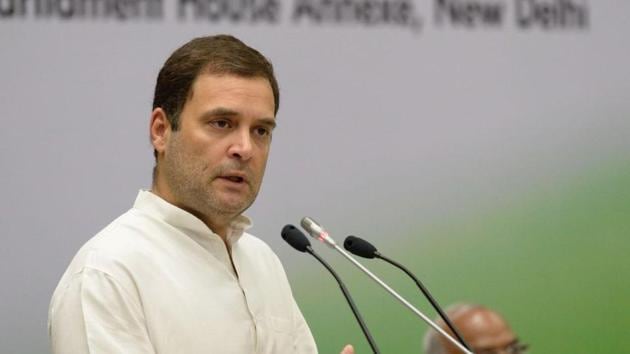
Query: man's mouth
x=235 y=177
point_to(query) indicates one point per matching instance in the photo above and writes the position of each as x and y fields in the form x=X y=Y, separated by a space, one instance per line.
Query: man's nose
x=241 y=147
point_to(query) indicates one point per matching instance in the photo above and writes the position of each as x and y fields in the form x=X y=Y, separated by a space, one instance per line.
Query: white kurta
x=157 y=280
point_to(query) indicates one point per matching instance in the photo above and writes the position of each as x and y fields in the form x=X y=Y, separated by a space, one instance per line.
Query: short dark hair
x=220 y=54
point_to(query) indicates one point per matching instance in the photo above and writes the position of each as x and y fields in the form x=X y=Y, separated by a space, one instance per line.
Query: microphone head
x=317 y=231
x=359 y=247
x=295 y=238
x=312 y=227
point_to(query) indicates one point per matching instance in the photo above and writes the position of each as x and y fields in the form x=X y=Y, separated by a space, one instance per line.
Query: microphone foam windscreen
x=295 y=238
x=359 y=247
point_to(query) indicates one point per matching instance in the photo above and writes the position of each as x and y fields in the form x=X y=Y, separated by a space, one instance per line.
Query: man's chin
x=233 y=206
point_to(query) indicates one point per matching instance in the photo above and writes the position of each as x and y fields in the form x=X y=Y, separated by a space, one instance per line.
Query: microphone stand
x=427 y=294
x=328 y=240
x=316 y=231
x=346 y=294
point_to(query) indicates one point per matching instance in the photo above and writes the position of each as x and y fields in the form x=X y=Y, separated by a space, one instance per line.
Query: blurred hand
x=348 y=349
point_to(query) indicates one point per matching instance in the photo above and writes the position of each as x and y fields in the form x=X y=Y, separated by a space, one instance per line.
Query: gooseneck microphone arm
x=427 y=294
x=346 y=294
x=316 y=231
x=362 y=248
x=298 y=240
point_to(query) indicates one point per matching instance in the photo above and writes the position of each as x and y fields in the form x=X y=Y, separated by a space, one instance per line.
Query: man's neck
x=220 y=228
x=219 y=224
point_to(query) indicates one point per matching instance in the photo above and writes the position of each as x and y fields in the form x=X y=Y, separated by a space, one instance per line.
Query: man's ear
x=160 y=130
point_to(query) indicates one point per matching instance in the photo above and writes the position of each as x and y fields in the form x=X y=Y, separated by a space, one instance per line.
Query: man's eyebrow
x=220 y=111
x=271 y=123
x=226 y=112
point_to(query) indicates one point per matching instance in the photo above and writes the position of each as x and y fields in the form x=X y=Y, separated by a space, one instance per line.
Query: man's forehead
x=213 y=85
x=207 y=73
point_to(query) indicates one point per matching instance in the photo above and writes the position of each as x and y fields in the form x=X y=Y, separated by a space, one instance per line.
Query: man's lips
x=236 y=177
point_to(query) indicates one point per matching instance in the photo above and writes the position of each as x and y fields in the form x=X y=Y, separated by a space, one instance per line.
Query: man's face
x=214 y=164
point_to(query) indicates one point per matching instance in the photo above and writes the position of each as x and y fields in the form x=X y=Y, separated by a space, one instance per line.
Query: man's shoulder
x=124 y=238
x=127 y=229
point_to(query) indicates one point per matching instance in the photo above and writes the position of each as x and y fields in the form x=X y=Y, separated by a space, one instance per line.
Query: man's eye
x=221 y=123
x=263 y=131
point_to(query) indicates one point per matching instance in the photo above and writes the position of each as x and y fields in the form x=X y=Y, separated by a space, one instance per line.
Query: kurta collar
x=185 y=221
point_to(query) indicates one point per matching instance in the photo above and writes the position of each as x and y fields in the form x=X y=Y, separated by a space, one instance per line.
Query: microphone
x=362 y=248
x=294 y=237
x=318 y=232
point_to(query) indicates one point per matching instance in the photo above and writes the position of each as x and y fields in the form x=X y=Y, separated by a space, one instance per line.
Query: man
x=485 y=331
x=178 y=273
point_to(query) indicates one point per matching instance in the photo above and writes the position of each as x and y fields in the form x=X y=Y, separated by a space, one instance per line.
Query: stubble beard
x=190 y=180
